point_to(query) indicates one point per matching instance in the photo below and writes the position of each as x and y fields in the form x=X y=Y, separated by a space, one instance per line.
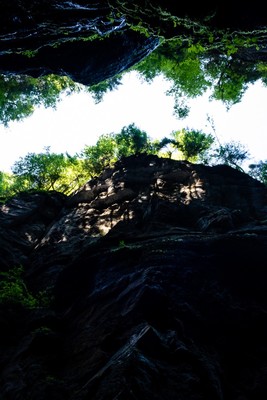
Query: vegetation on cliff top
x=192 y=69
x=194 y=55
x=64 y=173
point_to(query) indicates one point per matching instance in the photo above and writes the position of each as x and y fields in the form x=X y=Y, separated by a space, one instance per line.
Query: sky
x=78 y=121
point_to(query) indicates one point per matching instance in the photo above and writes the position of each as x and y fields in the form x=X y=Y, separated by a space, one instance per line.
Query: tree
x=201 y=47
x=20 y=95
x=259 y=171
x=132 y=140
x=48 y=171
x=99 y=156
x=223 y=63
x=182 y=66
x=191 y=144
x=6 y=186
x=100 y=89
x=109 y=148
x=231 y=153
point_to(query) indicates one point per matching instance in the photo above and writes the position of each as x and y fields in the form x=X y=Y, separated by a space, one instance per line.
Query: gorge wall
x=154 y=275
x=150 y=281
x=91 y=41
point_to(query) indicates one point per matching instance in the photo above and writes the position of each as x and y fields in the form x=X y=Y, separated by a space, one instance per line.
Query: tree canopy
x=225 y=63
x=259 y=171
x=197 y=67
x=47 y=171
x=194 y=55
x=21 y=94
x=192 y=144
x=109 y=148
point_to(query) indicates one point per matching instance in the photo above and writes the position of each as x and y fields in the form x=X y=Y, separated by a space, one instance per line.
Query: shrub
x=13 y=290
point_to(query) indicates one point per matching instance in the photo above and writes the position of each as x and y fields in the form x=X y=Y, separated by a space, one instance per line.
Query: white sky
x=78 y=121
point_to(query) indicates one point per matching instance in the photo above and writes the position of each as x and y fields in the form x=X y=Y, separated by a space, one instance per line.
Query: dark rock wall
x=91 y=41
x=85 y=40
x=156 y=273
x=86 y=62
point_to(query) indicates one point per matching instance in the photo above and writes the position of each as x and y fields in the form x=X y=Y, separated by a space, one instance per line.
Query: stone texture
x=156 y=271
x=91 y=41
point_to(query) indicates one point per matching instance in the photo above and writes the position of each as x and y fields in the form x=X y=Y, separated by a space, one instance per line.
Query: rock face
x=82 y=39
x=156 y=277
x=91 y=41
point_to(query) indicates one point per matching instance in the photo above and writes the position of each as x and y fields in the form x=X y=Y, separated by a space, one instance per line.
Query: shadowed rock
x=91 y=41
x=156 y=271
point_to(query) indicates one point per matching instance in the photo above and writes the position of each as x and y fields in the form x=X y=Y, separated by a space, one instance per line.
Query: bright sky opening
x=78 y=121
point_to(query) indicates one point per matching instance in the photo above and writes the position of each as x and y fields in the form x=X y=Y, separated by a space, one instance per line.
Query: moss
x=14 y=291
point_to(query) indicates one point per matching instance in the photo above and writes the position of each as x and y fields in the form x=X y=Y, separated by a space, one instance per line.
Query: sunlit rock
x=149 y=282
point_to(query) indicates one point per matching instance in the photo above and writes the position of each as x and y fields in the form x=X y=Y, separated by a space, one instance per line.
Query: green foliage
x=192 y=64
x=100 y=89
x=180 y=65
x=63 y=173
x=192 y=144
x=13 y=289
x=20 y=95
x=209 y=62
x=231 y=153
x=231 y=78
x=132 y=140
x=113 y=146
x=165 y=147
x=259 y=171
x=48 y=171
x=197 y=59
x=99 y=156
x=7 y=182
